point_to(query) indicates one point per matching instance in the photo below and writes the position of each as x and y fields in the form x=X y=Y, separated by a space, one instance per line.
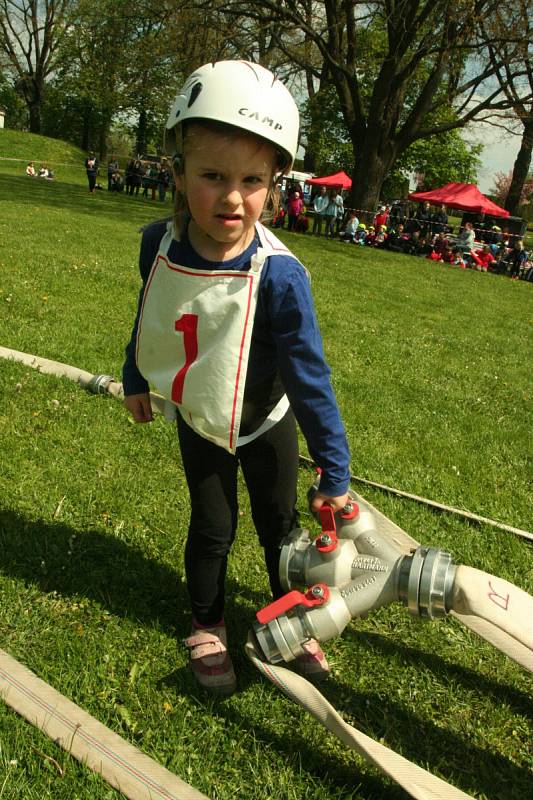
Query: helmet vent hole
x=195 y=91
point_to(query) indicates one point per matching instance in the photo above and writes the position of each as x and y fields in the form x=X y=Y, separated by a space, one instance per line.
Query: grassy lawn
x=431 y=366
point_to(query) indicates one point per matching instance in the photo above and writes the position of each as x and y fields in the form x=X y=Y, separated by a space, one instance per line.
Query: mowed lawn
x=432 y=369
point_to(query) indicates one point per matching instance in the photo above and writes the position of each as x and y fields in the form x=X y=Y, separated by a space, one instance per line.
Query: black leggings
x=270 y=468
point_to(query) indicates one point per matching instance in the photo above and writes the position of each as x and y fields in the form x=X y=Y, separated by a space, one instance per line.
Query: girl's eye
x=212 y=176
x=253 y=179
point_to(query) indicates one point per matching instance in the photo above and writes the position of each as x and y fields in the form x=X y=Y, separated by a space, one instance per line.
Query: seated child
x=302 y=223
x=381 y=236
x=396 y=239
x=30 y=170
x=350 y=229
x=360 y=235
x=482 y=258
x=370 y=237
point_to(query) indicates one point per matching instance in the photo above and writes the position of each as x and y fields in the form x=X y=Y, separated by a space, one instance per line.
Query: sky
x=499 y=153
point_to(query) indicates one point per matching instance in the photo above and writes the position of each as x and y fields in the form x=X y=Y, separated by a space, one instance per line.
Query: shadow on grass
x=75 y=197
x=116 y=574
x=120 y=577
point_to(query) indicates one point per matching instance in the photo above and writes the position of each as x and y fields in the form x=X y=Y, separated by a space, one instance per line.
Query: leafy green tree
x=31 y=36
x=394 y=64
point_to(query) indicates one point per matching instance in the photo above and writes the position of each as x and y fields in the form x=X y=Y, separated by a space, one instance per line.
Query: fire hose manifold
x=350 y=569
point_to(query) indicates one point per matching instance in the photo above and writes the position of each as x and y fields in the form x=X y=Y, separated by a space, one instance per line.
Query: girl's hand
x=140 y=407
x=337 y=503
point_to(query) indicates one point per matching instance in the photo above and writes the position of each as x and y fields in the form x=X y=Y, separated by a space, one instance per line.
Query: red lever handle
x=316 y=596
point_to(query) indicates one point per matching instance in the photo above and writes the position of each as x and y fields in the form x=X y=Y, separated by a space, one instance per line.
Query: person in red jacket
x=295 y=205
x=482 y=258
x=381 y=218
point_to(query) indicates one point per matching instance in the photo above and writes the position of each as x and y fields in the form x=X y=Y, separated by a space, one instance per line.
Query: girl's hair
x=181 y=209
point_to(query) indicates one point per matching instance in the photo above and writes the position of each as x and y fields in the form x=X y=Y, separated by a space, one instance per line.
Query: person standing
x=320 y=203
x=226 y=330
x=91 y=167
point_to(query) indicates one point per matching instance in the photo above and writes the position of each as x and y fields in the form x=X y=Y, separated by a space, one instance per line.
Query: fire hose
x=370 y=562
x=354 y=573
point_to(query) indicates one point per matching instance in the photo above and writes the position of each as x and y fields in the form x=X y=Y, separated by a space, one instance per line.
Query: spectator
x=117 y=182
x=112 y=167
x=330 y=214
x=137 y=175
x=370 y=238
x=44 y=172
x=482 y=258
x=295 y=205
x=128 y=176
x=518 y=259
x=440 y=243
x=302 y=223
x=411 y=244
x=320 y=203
x=396 y=239
x=163 y=181
x=465 y=240
x=439 y=220
x=381 y=237
x=350 y=229
x=91 y=167
x=381 y=218
x=458 y=259
x=423 y=216
x=339 y=213
x=360 y=236
x=149 y=181
x=448 y=255
x=30 y=170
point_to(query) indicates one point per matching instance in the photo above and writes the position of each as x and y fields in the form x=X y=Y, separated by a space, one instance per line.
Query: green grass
x=430 y=365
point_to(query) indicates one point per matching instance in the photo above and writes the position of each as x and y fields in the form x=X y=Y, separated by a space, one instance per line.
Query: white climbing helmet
x=241 y=94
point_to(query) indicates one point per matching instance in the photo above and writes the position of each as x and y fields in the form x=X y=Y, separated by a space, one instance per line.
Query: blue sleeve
x=306 y=375
x=133 y=381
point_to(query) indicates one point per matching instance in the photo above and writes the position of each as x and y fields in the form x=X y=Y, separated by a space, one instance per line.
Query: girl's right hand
x=140 y=407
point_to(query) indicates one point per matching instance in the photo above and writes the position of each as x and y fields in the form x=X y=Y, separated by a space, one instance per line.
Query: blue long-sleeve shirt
x=286 y=353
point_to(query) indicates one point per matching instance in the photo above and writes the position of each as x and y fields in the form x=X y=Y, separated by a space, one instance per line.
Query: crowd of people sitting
x=42 y=172
x=424 y=233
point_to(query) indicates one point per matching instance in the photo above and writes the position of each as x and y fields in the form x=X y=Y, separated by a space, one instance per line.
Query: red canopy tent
x=339 y=180
x=464 y=196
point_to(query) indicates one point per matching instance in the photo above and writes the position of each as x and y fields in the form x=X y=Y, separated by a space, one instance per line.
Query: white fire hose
x=425 y=581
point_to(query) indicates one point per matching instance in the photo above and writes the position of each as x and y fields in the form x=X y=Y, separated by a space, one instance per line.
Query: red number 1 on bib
x=188 y=325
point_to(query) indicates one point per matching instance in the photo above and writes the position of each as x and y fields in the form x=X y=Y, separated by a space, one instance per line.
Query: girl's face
x=227 y=176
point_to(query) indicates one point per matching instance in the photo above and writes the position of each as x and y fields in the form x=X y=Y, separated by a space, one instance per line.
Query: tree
x=503 y=54
x=31 y=34
x=394 y=64
x=502 y=184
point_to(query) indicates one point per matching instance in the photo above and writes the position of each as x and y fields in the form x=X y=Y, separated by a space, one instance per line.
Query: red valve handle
x=291 y=600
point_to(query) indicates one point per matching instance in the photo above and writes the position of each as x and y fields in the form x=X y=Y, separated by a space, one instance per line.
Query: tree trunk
x=141 y=132
x=371 y=169
x=35 y=118
x=102 y=138
x=520 y=169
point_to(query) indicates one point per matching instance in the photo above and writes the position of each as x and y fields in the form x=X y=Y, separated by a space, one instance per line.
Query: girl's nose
x=233 y=196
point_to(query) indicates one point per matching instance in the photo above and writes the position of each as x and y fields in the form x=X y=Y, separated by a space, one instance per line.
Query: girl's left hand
x=337 y=503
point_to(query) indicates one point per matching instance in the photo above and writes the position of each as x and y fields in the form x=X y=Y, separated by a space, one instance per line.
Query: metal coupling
x=99 y=384
x=425 y=582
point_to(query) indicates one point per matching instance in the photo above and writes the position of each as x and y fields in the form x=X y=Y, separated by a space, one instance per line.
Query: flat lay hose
x=494 y=609
x=419 y=783
x=122 y=765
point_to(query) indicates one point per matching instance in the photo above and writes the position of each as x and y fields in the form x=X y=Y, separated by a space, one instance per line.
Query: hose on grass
x=121 y=764
x=419 y=783
x=101 y=384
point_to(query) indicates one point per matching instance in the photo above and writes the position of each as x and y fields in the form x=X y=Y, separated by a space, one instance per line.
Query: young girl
x=226 y=330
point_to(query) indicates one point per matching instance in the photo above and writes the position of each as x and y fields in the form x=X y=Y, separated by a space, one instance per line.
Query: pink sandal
x=210 y=660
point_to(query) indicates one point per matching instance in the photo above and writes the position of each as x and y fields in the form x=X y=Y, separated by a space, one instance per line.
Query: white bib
x=193 y=340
